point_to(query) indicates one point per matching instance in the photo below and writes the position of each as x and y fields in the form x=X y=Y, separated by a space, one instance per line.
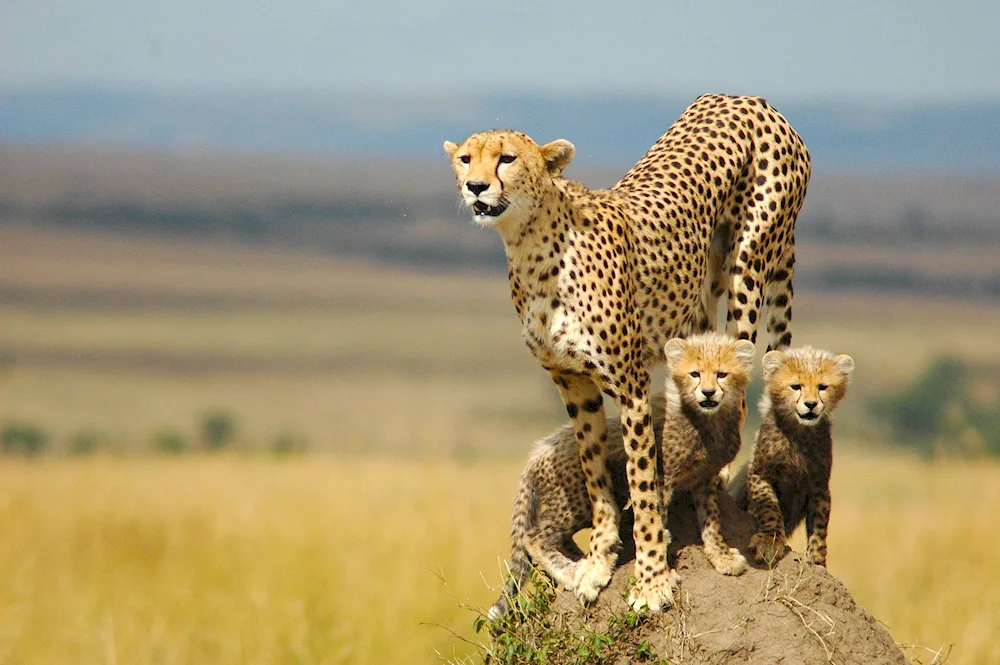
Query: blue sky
x=891 y=50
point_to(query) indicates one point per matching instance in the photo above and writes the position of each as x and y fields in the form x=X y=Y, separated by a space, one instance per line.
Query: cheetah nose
x=709 y=392
x=477 y=188
x=810 y=405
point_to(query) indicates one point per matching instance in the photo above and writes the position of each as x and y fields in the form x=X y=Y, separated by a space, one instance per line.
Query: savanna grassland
x=418 y=403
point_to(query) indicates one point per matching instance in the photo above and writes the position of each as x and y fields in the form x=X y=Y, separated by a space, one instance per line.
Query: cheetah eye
x=722 y=375
x=796 y=386
x=695 y=374
x=822 y=386
x=465 y=159
x=507 y=159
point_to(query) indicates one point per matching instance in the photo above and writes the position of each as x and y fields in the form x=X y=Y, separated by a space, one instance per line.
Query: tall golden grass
x=322 y=560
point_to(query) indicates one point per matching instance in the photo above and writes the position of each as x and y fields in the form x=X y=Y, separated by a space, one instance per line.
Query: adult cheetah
x=601 y=279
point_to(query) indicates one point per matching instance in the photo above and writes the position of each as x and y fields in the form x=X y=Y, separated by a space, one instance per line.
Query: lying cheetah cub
x=707 y=377
x=552 y=504
x=788 y=476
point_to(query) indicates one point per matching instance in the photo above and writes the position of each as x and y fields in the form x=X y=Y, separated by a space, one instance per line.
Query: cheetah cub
x=552 y=504
x=788 y=476
x=707 y=377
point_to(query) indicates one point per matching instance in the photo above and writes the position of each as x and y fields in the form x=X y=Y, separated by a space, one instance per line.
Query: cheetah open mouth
x=481 y=209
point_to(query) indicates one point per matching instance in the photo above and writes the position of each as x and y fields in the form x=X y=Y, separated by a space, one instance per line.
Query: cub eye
x=465 y=159
x=722 y=375
x=796 y=386
x=507 y=159
x=695 y=374
x=822 y=386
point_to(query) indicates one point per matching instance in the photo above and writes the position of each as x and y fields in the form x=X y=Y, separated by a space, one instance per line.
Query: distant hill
x=848 y=136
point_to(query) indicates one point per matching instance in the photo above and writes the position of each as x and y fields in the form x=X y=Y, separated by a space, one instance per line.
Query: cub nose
x=810 y=405
x=708 y=392
x=477 y=187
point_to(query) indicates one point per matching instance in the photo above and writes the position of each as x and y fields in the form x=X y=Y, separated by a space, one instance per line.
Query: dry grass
x=236 y=560
x=239 y=559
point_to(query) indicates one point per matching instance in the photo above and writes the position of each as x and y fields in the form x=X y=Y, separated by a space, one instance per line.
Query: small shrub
x=169 y=441
x=289 y=443
x=528 y=634
x=217 y=430
x=940 y=413
x=23 y=439
x=85 y=442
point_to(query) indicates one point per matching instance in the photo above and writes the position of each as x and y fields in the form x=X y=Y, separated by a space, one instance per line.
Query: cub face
x=805 y=383
x=499 y=172
x=709 y=371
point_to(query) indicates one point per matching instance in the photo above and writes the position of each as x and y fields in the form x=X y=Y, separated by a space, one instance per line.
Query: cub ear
x=771 y=362
x=450 y=148
x=674 y=349
x=844 y=364
x=744 y=352
x=557 y=156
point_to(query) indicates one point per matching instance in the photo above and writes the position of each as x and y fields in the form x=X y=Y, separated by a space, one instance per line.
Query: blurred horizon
x=610 y=130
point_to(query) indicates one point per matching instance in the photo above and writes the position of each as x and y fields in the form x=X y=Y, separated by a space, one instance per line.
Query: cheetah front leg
x=653 y=589
x=817 y=519
x=586 y=409
x=727 y=560
x=769 y=543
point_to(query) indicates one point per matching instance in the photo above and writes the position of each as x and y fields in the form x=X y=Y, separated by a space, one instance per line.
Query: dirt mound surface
x=795 y=613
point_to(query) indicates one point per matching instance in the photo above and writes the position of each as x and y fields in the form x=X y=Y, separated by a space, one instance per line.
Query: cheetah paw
x=566 y=576
x=675 y=579
x=816 y=557
x=591 y=576
x=767 y=548
x=653 y=595
x=730 y=563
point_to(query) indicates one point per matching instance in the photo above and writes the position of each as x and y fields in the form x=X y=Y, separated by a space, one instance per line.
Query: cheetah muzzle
x=481 y=209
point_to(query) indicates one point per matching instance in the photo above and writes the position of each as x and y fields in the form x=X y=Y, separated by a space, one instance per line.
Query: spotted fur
x=788 y=476
x=707 y=377
x=601 y=279
x=552 y=504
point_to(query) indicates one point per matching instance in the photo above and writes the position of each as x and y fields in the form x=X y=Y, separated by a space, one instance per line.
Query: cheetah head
x=708 y=372
x=500 y=172
x=805 y=384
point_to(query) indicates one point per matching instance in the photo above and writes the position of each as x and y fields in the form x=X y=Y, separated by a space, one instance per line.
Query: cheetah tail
x=523 y=519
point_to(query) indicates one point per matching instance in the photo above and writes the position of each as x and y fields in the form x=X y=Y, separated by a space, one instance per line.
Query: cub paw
x=816 y=556
x=591 y=576
x=566 y=575
x=767 y=548
x=675 y=579
x=653 y=595
x=730 y=563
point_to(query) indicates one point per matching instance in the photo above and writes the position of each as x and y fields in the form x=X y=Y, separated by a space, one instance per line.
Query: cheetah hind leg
x=555 y=557
x=727 y=560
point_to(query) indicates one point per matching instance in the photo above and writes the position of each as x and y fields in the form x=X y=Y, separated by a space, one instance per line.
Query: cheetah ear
x=450 y=148
x=557 y=156
x=744 y=352
x=674 y=349
x=844 y=364
x=771 y=362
